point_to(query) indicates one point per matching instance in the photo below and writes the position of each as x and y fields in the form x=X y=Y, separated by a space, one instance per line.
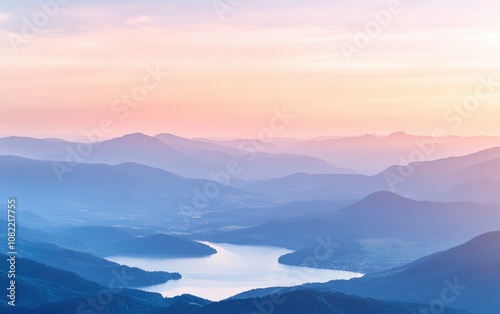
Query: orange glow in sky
x=226 y=76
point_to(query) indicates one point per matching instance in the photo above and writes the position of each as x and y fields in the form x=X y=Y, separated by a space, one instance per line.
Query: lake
x=234 y=269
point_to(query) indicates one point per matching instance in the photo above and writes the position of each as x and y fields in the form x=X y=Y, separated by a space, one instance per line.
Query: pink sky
x=227 y=76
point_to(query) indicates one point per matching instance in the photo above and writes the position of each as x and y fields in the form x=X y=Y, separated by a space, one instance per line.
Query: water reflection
x=234 y=269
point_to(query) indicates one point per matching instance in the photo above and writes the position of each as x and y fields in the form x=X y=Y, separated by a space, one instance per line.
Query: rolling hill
x=157 y=245
x=380 y=231
x=317 y=302
x=464 y=277
x=44 y=289
x=126 y=194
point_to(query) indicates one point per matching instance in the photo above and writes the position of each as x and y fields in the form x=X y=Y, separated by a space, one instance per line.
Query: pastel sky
x=226 y=75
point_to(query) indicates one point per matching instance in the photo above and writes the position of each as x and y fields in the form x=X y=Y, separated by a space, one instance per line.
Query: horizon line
x=81 y=138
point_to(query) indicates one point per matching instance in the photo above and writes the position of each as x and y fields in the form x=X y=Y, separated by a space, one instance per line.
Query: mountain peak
x=136 y=138
x=137 y=135
x=381 y=200
x=168 y=135
x=385 y=196
x=398 y=135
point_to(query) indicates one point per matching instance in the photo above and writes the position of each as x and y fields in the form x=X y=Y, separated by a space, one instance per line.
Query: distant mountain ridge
x=100 y=194
x=430 y=180
x=184 y=157
x=384 y=150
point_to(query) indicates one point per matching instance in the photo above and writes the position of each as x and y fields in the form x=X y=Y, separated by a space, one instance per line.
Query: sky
x=224 y=67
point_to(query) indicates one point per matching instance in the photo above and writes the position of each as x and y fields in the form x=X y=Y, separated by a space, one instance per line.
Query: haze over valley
x=249 y=157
